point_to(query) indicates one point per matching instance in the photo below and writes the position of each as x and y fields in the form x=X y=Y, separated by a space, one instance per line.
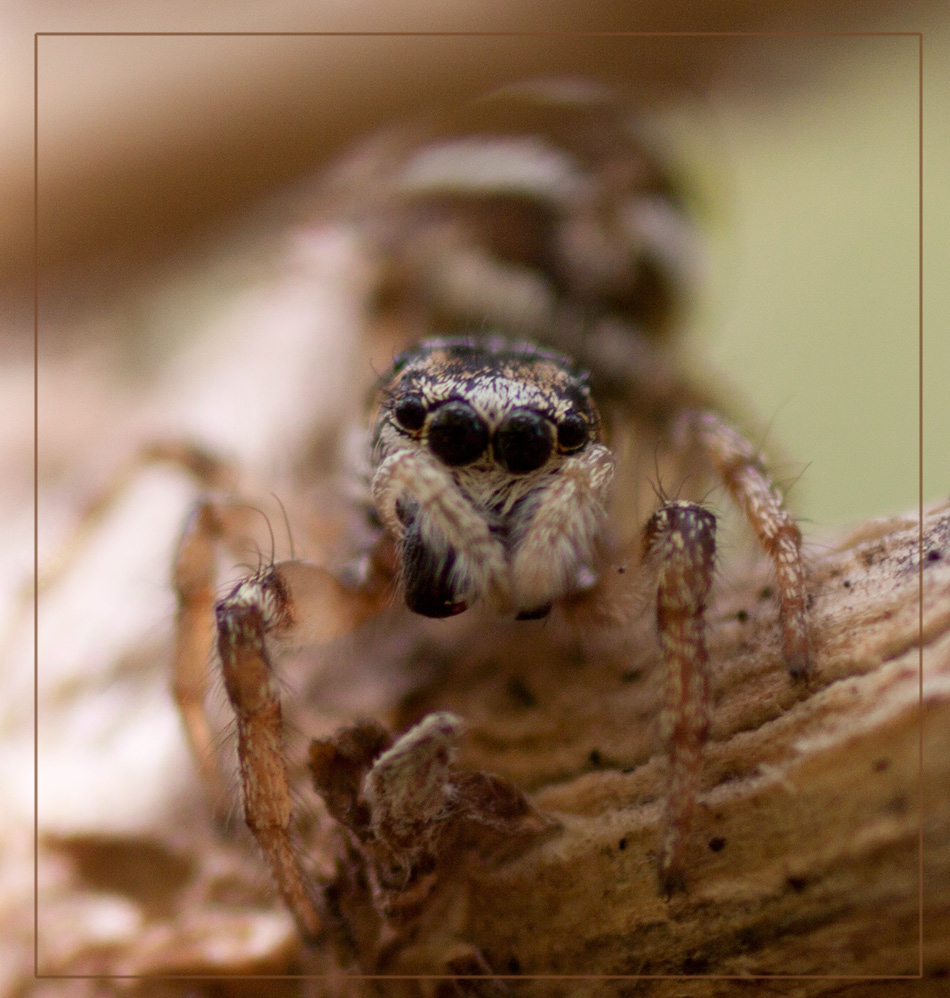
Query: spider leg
x=679 y=544
x=742 y=472
x=212 y=473
x=211 y=524
x=193 y=578
x=447 y=522
x=291 y=603
x=566 y=521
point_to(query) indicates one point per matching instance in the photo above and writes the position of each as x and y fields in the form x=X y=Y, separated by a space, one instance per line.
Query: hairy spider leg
x=742 y=471
x=680 y=545
x=562 y=534
x=211 y=524
x=289 y=604
x=212 y=473
x=449 y=518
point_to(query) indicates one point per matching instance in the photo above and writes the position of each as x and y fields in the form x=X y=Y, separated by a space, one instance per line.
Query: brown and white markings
x=530 y=262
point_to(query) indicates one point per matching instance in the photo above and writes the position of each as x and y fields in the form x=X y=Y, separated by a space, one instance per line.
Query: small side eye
x=410 y=412
x=572 y=432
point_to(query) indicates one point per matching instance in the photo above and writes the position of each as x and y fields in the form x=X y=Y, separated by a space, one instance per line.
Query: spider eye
x=571 y=432
x=522 y=442
x=457 y=434
x=410 y=412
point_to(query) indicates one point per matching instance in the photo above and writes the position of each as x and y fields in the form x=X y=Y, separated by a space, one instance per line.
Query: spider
x=531 y=264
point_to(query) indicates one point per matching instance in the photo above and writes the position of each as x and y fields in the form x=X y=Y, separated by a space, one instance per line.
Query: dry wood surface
x=807 y=855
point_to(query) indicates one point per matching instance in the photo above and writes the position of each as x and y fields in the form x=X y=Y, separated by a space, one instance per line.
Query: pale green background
x=813 y=302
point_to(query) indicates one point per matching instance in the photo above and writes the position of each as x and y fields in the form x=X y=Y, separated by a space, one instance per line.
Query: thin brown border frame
x=476 y=34
x=920 y=487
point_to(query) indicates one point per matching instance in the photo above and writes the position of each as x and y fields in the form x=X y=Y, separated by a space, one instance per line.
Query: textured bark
x=813 y=801
x=806 y=857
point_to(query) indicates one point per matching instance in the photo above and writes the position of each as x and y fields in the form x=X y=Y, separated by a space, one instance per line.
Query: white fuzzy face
x=469 y=441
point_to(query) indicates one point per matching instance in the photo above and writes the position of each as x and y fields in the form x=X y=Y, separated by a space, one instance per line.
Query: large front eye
x=523 y=442
x=457 y=434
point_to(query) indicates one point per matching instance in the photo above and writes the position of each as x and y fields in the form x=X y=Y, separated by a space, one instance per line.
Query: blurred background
x=803 y=152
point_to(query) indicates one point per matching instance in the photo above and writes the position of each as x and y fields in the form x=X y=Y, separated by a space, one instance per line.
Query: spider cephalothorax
x=488 y=468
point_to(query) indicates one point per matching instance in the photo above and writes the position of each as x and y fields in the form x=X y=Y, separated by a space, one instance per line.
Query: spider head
x=473 y=431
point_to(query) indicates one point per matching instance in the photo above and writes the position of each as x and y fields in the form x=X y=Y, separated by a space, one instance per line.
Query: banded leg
x=193 y=579
x=289 y=604
x=742 y=472
x=558 y=546
x=680 y=544
x=456 y=553
x=212 y=524
x=212 y=473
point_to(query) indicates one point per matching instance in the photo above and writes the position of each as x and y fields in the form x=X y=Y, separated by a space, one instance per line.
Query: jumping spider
x=490 y=473
x=538 y=250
